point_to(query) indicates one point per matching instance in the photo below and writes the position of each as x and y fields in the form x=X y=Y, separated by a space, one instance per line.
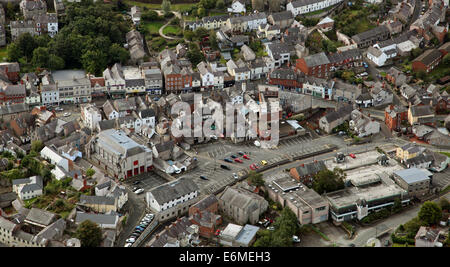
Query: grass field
x=154 y=26
x=170 y=29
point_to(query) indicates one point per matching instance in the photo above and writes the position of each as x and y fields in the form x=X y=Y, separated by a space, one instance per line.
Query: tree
x=255 y=178
x=150 y=15
x=40 y=57
x=13 y=52
x=165 y=6
x=55 y=63
x=416 y=52
x=89 y=234
x=194 y=54
x=90 y=172
x=328 y=181
x=118 y=54
x=444 y=203
x=430 y=213
x=188 y=35
x=220 y=4
x=446 y=60
x=201 y=11
x=37 y=145
x=26 y=45
x=397 y=205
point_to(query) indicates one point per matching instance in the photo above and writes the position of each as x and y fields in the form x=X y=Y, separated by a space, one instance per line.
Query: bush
x=402 y=240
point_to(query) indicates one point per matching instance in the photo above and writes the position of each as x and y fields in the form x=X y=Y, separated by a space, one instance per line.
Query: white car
x=127 y=245
x=235 y=176
x=295 y=239
x=139 y=191
x=130 y=240
x=67 y=114
x=59 y=109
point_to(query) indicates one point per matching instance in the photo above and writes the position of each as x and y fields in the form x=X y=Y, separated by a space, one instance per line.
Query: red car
x=217 y=232
x=238 y=160
x=352 y=155
x=245 y=157
x=253 y=167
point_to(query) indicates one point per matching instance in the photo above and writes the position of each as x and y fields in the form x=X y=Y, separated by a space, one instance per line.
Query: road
x=136 y=209
x=165 y=36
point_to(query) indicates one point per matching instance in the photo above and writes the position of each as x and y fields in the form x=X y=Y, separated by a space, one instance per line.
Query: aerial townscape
x=353 y=94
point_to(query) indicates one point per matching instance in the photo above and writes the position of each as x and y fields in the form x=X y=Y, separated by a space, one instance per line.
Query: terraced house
x=306 y=6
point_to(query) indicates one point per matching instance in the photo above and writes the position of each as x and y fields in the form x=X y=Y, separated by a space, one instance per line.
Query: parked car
x=217 y=233
x=203 y=177
x=295 y=239
x=127 y=245
x=235 y=176
x=253 y=166
x=233 y=156
x=263 y=162
x=238 y=160
x=241 y=153
x=228 y=160
x=352 y=155
x=225 y=167
x=67 y=114
x=130 y=240
x=136 y=182
x=245 y=156
x=59 y=109
x=139 y=191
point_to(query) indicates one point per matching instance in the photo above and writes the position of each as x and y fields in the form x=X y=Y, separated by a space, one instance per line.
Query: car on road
x=352 y=156
x=295 y=239
x=203 y=177
x=238 y=160
x=241 y=153
x=228 y=160
x=139 y=191
x=234 y=156
x=67 y=114
x=245 y=156
x=127 y=245
x=253 y=166
x=235 y=176
x=263 y=162
x=225 y=167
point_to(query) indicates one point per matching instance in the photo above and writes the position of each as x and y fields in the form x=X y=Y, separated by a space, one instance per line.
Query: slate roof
x=173 y=190
x=316 y=60
x=428 y=56
x=418 y=111
x=41 y=217
x=97 y=200
x=311 y=168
